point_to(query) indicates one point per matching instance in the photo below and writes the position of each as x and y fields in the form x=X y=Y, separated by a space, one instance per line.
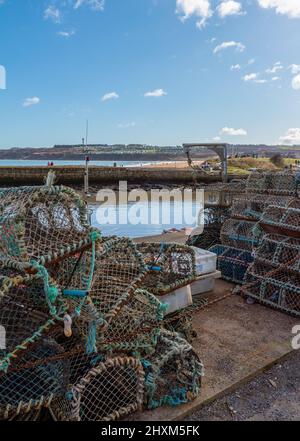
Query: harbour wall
x=74 y=175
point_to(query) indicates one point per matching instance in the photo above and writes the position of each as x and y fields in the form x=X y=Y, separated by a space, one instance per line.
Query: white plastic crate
x=206 y=261
x=205 y=283
x=178 y=299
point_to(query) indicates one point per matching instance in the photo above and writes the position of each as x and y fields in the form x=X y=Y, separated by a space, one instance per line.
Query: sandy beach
x=173 y=164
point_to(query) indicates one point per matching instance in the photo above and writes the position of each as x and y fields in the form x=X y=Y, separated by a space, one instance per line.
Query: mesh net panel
x=214 y=220
x=170 y=266
x=239 y=233
x=24 y=314
x=279 y=288
x=109 y=391
x=118 y=271
x=277 y=250
x=173 y=372
x=280 y=183
x=281 y=220
x=134 y=328
x=41 y=223
x=232 y=262
x=25 y=388
x=253 y=205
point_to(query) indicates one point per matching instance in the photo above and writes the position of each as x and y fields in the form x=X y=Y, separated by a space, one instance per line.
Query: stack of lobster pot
x=81 y=330
x=242 y=234
x=274 y=277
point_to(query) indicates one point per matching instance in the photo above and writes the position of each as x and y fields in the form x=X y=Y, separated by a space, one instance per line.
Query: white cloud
x=296 y=82
x=28 y=102
x=127 y=125
x=198 y=8
x=230 y=7
x=250 y=77
x=291 y=137
x=155 y=93
x=295 y=68
x=239 y=47
x=66 y=34
x=110 y=96
x=254 y=77
x=275 y=78
x=95 y=5
x=233 y=132
x=276 y=68
x=52 y=13
x=291 y=8
x=216 y=138
x=251 y=61
x=236 y=67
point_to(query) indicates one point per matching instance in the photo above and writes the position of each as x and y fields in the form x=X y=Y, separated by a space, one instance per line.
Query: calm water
x=30 y=163
x=176 y=212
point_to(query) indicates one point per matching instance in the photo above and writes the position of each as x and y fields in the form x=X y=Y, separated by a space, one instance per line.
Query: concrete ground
x=271 y=396
x=237 y=343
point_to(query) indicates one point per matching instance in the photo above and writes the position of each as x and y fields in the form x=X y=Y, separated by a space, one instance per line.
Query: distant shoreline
x=180 y=164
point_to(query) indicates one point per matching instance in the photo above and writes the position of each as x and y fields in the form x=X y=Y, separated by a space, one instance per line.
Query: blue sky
x=149 y=71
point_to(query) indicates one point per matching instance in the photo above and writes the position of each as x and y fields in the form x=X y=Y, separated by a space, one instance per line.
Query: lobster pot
x=257 y=271
x=119 y=270
x=109 y=276
x=134 y=328
x=214 y=220
x=42 y=223
x=232 y=262
x=24 y=314
x=285 y=221
x=223 y=194
x=33 y=382
x=279 y=288
x=170 y=266
x=280 y=183
x=182 y=324
x=173 y=373
x=279 y=250
x=74 y=351
x=238 y=233
x=252 y=205
x=109 y=391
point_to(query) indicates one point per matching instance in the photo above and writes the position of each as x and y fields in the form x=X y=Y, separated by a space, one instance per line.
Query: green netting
x=170 y=266
x=173 y=372
x=77 y=316
x=31 y=386
x=26 y=313
x=111 y=390
x=42 y=223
